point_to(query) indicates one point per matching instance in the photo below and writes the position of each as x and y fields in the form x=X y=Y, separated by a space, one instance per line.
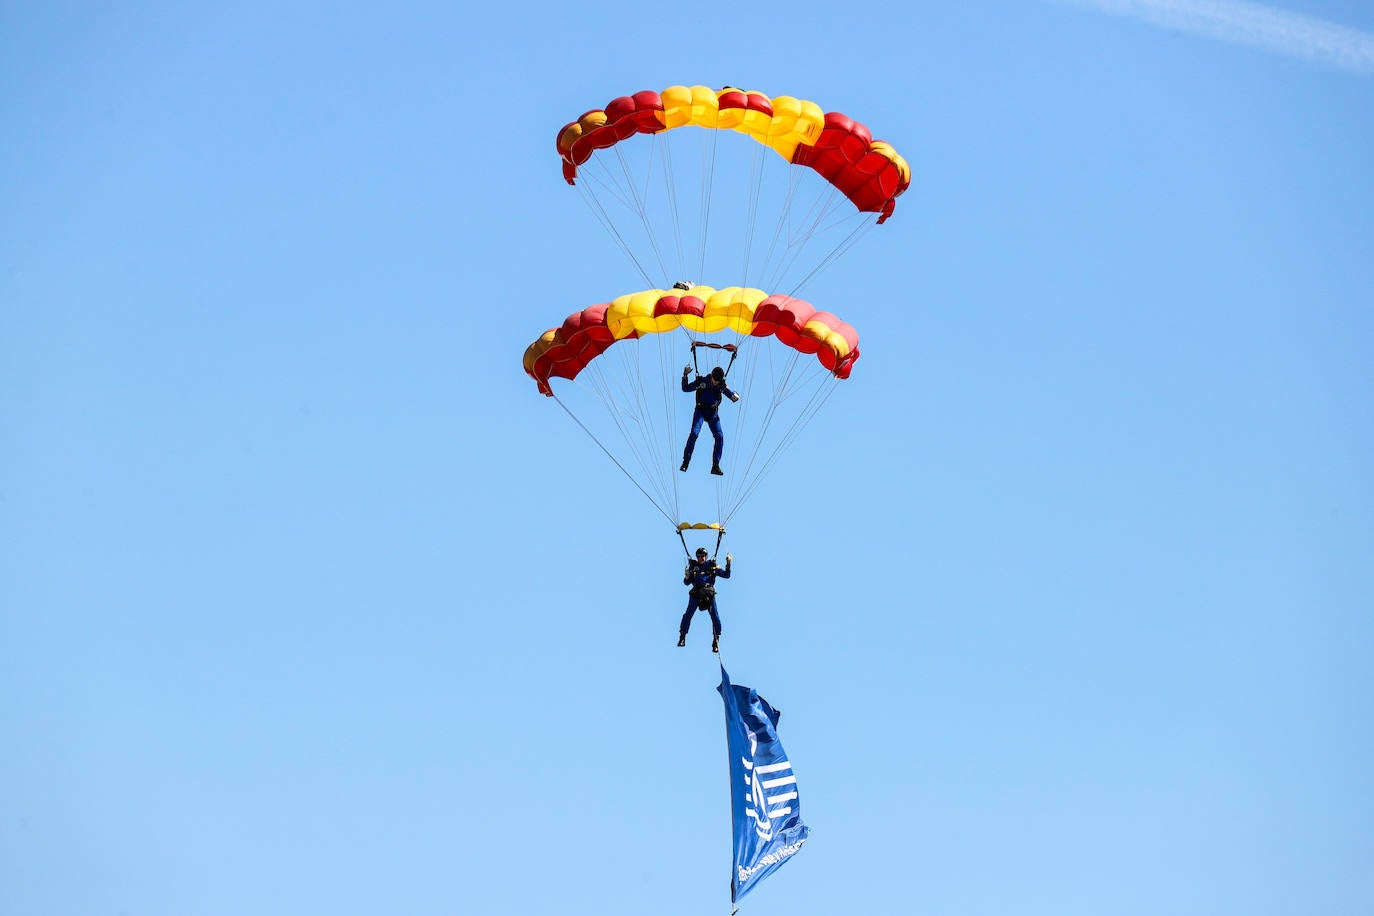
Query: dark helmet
x=718 y=374
x=701 y=552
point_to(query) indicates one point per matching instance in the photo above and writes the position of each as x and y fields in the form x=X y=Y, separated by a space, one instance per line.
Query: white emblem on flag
x=770 y=791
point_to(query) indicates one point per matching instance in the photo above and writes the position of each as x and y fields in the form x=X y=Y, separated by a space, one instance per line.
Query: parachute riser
x=731 y=348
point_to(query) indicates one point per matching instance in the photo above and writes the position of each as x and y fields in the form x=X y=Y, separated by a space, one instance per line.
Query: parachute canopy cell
x=869 y=172
x=565 y=351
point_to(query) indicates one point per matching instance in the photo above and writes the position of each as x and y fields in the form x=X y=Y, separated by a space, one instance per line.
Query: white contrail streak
x=1254 y=24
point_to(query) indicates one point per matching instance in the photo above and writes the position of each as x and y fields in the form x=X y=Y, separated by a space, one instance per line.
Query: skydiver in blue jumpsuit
x=701 y=574
x=709 y=389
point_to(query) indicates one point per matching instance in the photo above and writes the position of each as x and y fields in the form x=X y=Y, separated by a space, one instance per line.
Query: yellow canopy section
x=647 y=312
x=781 y=123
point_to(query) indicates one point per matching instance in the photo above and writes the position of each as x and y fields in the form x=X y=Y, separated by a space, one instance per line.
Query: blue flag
x=763 y=790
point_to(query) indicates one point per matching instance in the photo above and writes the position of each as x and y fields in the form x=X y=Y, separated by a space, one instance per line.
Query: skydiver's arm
x=731 y=395
x=723 y=571
x=689 y=386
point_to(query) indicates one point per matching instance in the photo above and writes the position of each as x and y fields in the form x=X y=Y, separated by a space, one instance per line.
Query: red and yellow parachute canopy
x=565 y=351
x=869 y=172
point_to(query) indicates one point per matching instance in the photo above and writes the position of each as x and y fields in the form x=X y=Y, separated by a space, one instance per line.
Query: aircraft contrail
x=1254 y=24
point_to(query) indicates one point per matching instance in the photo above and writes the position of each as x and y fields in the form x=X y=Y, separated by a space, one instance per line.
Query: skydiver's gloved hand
x=728 y=560
x=686 y=370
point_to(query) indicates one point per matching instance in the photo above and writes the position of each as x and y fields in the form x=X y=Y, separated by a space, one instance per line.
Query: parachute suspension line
x=806 y=229
x=745 y=473
x=798 y=425
x=599 y=211
x=664 y=447
x=760 y=379
x=753 y=373
x=632 y=395
x=653 y=462
x=708 y=185
x=600 y=385
x=613 y=459
x=662 y=145
x=635 y=392
x=818 y=400
x=641 y=207
x=653 y=151
x=596 y=172
x=780 y=231
x=751 y=215
x=848 y=242
x=665 y=375
x=782 y=391
x=795 y=234
x=752 y=477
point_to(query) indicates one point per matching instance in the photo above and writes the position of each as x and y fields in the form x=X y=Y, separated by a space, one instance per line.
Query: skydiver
x=709 y=390
x=701 y=574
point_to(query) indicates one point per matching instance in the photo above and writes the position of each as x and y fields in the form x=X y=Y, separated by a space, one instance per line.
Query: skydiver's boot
x=715 y=469
x=684 y=466
x=681 y=640
x=715 y=643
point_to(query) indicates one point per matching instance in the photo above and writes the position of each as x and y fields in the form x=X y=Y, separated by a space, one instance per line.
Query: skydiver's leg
x=687 y=617
x=697 y=419
x=720 y=440
x=715 y=619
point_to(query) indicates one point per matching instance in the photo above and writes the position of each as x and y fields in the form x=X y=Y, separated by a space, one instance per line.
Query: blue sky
x=309 y=603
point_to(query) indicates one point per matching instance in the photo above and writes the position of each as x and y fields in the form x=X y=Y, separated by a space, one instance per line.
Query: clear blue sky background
x=310 y=604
